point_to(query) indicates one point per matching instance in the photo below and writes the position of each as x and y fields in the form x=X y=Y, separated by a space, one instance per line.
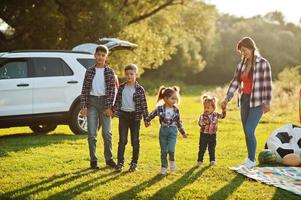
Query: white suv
x=41 y=89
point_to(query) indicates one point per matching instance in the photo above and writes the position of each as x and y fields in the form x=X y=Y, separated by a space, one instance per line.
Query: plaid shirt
x=109 y=77
x=138 y=98
x=261 y=86
x=160 y=111
x=209 y=122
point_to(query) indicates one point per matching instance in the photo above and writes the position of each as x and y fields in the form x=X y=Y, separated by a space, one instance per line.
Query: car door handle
x=72 y=82
x=23 y=85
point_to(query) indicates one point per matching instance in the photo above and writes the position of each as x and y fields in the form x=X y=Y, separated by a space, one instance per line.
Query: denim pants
x=210 y=141
x=127 y=121
x=250 y=118
x=96 y=107
x=168 y=139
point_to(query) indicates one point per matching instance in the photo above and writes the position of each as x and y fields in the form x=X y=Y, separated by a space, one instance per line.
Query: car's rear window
x=86 y=62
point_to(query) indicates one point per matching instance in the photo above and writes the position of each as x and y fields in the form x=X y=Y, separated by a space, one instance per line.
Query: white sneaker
x=249 y=164
x=163 y=171
x=172 y=166
x=212 y=163
x=199 y=163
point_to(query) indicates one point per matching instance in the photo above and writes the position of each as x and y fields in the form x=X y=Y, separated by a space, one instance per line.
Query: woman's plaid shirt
x=109 y=77
x=139 y=99
x=261 y=86
x=160 y=111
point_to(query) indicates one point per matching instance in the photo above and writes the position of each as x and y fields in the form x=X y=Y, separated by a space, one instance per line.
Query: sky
x=289 y=8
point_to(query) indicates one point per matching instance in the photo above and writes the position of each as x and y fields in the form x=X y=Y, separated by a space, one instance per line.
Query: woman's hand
x=224 y=104
x=185 y=135
x=265 y=108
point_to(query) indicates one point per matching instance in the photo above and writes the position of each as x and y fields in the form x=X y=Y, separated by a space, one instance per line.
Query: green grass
x=55 y=166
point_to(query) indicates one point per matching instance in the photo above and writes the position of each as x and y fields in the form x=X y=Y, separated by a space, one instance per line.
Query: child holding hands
x=208 y=122
x=169 y=118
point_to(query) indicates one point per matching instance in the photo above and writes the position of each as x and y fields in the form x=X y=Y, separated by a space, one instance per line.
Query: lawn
x=55 y=166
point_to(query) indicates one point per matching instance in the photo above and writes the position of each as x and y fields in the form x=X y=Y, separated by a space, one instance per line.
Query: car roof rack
x=47 y=51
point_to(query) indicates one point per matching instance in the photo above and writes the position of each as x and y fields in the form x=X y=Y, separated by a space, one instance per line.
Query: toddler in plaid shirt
x=208 y=122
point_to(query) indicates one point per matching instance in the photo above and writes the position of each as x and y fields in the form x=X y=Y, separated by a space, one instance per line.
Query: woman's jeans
x=96 y=107
x=168 y=139
x=250 y=118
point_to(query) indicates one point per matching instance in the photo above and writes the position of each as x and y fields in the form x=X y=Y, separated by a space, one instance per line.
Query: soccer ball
x=285 y=140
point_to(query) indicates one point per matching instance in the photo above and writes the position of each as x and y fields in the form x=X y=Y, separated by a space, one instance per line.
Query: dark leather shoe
x=93 y=165
x=111 y=163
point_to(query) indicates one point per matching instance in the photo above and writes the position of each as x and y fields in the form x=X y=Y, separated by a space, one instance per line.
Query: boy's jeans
x=210 y=141
x=250 y=118
x=127 y=121
x=95 y=113
x=168 y=139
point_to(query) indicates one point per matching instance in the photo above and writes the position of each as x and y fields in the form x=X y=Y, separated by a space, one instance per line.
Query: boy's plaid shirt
x=209 y=122
x=109 y=77
x=261 y=86
x=160 y=111
x=139 y=99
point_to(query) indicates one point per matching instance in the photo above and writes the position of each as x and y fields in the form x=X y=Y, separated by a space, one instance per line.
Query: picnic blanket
x=287 y=178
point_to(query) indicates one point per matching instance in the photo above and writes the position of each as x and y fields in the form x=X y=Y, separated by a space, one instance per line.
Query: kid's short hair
x=102 y=48
x=131 y=67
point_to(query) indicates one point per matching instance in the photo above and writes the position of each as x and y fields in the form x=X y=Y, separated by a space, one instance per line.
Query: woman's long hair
x=248 y=43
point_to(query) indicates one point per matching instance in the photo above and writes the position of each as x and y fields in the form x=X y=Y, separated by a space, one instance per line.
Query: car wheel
x=78 y=123
x=44 y=128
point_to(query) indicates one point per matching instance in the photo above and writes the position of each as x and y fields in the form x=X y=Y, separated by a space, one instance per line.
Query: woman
x=254 y=80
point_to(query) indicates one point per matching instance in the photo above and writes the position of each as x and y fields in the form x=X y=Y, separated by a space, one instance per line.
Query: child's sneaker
x=163 y=171
x=172 y=166
x=212 y=162
x=119 y=167
x=133 y=167
x=199 y=163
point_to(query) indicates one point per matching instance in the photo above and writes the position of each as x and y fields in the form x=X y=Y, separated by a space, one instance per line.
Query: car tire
x=43 y=128
x=78 y=123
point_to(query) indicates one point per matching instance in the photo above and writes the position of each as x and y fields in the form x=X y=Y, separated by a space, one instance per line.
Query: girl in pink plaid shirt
x=208 y=122
x=253 y=79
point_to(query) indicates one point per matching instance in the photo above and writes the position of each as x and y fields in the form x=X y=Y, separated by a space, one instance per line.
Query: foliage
x=278 y=42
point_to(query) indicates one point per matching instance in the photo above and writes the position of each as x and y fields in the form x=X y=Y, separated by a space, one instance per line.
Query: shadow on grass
x=88 y=185
x=283 y=194
x=228 y=189
x=20 y=142
x=168 y=192
x=132 y=192
x=58 y=181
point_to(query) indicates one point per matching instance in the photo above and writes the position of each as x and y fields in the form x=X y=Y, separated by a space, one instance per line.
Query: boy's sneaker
x=172 y=166
x=93 y=165
x=133 y=167
x=163 y=171
x=111 y=163
x=119 y=167
x=212 y=162
x=199 y=163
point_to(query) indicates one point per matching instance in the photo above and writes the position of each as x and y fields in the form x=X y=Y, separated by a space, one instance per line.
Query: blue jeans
x=168 y=139
x=96 y=107
x=250 y=118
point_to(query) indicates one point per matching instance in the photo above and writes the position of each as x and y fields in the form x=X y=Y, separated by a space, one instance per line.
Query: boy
x=130 y=106
x=98 y=93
